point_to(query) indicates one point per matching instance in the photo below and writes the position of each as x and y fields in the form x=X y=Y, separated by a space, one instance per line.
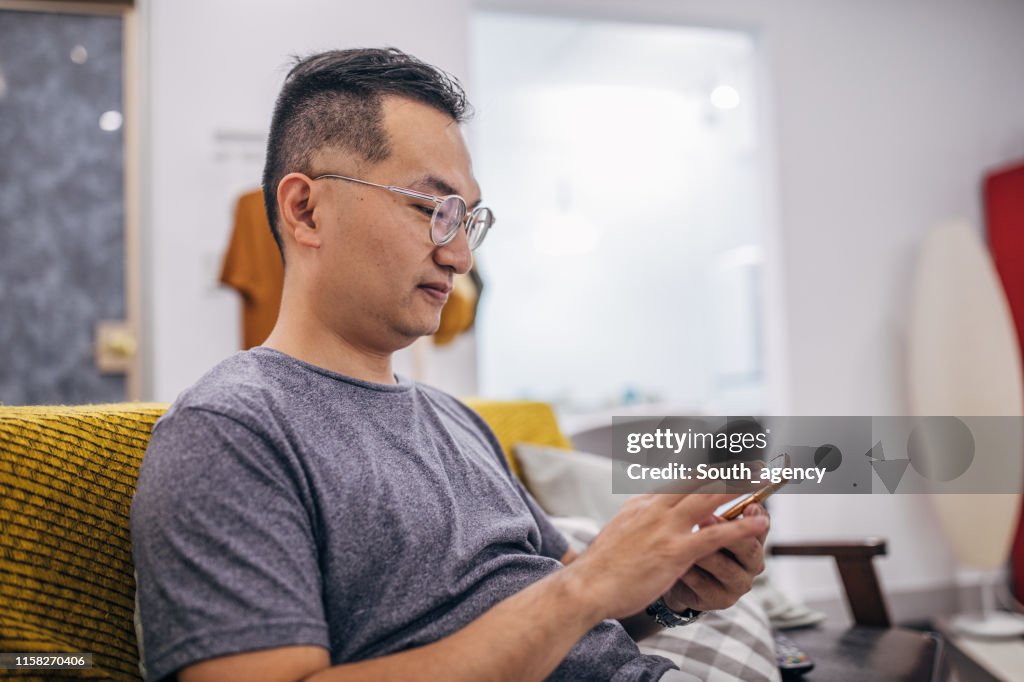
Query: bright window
x=622 y=161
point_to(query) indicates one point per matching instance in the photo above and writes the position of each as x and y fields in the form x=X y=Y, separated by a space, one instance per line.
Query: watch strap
x=667 y=618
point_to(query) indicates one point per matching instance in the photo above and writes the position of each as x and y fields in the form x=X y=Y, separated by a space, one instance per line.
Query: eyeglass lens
x=479 y=223
x=448 y=216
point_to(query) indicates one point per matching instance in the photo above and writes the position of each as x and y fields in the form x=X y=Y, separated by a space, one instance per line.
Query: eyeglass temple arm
x=415 y=195
x=391 y=188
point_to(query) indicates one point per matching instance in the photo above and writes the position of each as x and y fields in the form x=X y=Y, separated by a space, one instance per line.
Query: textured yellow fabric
x=520 y=421
x=67 y=476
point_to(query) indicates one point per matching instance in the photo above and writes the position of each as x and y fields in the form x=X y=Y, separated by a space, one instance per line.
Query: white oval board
x=965 y=361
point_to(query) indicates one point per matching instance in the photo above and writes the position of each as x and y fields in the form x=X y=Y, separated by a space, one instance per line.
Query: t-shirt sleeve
x=223 y=544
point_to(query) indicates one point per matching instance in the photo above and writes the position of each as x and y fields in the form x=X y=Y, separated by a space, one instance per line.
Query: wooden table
x=870 y=654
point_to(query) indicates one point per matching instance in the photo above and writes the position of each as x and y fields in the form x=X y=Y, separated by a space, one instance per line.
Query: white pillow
x=570 y=483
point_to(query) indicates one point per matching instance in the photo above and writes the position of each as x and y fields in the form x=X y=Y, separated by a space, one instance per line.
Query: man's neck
x=300 y=338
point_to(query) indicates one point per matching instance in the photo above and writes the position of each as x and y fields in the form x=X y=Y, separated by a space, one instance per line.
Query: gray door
x=62 y=208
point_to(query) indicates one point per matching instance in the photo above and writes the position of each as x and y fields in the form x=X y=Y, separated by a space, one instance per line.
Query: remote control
x=791 y=659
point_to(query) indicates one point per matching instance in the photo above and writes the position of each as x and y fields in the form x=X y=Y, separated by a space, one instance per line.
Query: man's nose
x=455 y=254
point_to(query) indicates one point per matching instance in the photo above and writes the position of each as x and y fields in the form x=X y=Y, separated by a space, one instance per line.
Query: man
x=303 y=513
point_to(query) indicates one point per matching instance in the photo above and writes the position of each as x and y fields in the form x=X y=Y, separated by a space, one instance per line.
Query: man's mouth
x=436 y=290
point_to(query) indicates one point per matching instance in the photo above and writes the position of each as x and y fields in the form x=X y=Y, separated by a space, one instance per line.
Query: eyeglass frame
x=438 y=201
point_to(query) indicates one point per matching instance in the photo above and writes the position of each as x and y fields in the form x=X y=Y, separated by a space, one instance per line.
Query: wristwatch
x=667 y=618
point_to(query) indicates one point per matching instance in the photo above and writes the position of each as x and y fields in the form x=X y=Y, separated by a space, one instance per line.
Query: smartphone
x=758 y=496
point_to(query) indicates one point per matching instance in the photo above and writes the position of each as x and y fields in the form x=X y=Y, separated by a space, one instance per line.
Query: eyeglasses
x=449 y=213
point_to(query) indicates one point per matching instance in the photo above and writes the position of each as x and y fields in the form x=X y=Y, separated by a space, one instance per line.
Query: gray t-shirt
x=283 y=504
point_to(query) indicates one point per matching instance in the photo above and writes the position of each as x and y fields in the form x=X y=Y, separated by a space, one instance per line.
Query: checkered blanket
x=734 y=645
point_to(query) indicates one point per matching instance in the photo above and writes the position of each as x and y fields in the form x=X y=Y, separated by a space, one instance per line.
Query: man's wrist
x=572 y=588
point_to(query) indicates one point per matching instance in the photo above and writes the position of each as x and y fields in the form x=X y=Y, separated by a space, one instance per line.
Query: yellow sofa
x=67 y=477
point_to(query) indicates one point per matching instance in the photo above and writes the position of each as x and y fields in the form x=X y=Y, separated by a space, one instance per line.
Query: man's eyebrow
x=440 y=186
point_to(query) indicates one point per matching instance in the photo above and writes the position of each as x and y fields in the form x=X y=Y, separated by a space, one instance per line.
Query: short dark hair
x=334 y=99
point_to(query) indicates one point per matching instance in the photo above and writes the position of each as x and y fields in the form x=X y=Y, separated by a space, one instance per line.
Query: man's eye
x=425 y=210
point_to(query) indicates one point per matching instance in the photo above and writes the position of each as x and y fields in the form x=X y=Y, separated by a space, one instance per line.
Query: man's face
x=380 y=281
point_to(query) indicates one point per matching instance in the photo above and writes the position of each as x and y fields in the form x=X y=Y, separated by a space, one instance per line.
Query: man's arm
x=492 y=647
x=637 y=557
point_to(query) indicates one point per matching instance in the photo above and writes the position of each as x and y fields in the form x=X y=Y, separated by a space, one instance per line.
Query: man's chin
x=415 y=331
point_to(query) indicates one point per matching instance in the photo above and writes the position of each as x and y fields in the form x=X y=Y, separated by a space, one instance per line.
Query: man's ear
x=296 y=200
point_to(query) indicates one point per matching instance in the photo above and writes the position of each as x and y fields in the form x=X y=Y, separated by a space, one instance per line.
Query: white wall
x=885 y=116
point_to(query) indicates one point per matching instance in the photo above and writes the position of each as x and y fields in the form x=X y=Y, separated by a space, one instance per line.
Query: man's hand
x=717 y=580
x=642 y=552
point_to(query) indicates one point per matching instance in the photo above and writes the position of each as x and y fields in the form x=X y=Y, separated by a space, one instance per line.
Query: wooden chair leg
x=857 y=571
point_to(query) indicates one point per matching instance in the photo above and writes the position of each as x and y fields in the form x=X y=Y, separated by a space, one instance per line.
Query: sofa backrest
x=67 y=477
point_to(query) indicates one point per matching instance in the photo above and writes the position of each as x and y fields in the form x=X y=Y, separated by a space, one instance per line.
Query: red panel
x=1004 y=211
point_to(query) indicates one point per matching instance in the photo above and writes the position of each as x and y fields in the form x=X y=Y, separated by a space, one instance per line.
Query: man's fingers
x=754 y=509
x=723 y=569
x=704 y=584
x=713 y=538
x=709 y=520
x=746 y=552
x=683 y=593
x=757 y=510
